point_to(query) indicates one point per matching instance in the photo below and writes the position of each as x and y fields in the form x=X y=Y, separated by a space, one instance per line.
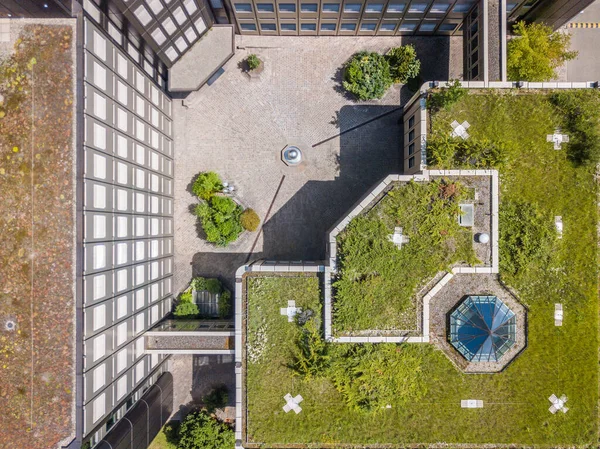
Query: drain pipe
x=503 y=40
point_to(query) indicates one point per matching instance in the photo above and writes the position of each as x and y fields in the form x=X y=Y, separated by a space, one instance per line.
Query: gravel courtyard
x=238 y=127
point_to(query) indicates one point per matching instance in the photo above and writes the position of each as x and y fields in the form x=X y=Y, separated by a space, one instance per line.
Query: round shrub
x=253 y=61
x=367 y=75
x=404 y=64
x=250 y=220
x=207 y=184
x=220 y=218
x=199 y=430
x=186 y=309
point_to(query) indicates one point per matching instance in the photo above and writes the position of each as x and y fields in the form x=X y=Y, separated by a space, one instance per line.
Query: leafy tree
x=186 y=307
x=199 y=430
x=217 y=398
x=404 y=64
x=250 y=220
x=526 y=236
x=367 y=75
x=310 y=355
x=446 y=96
x=580 y=108
x=536 y=52
x=252 y=61
x=212 y=285
x=220 y=217
x=207 y=184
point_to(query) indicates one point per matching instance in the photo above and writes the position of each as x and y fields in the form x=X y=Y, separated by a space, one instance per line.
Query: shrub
x=186 y=309
x=220 y=218
x=367 y=75
x=250 y=220
x=371 y=378
x=580 y=108
x=444 y=151
x=225 y=304
x=310 y=356
x=199 y=430
x=207 y=184
x=404 y=64
x=536 y=51
x=171 y=431
x=253 y=61
x=446 y=96
x=212 y=285
x=526 y=236
x=217 y=398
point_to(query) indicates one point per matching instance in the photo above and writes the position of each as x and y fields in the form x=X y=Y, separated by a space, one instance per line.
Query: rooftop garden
x=37 y=223
x=377 y=281
x=410 y=394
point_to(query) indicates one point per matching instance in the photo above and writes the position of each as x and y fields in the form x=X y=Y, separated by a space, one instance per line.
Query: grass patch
x=377 y=282
x=558 y=360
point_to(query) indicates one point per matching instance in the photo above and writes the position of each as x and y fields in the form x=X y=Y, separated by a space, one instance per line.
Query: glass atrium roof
x=482 y=328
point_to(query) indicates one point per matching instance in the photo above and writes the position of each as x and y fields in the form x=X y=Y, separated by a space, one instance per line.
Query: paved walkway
x=238 y=127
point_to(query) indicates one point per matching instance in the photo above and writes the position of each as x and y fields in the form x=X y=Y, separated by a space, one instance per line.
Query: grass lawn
x=377 y=283
x=558 y=360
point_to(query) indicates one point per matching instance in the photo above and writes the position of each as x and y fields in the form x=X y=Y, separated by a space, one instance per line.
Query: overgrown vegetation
x=403 y=62
x=206 y=185
x=377 y=282
x=216 y=399
x=536 y=52
x=367 y=75
x=250 y=220
x=220 y=218
x=580 y=109
x=448 y=152
x=445 y=97
x=200 y=430
x=186 y=308
x=253 y=62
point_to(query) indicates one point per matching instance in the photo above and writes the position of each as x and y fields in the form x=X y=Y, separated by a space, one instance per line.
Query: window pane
x=352 y=7
x=411 y=162
x=265 y=7
x=309 y=7
x=308 y=27
x=510 y=6
x=395 y=7
x=439 y=8
x=248 y=26
x=331 y=7
x=328 y=27
x=368 y=27
x=447 y=27
x=374 y=7
x=268 y=27
x=287 y=7
x=411 y=148
x=417 y=7
x=288 y=27
x=427 y=27
x=348 y=26
x=387 y=27
x=243 y=7
x=462 y=7
x=408 y=26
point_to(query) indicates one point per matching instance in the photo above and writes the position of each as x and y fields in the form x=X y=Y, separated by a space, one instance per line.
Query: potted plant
x=255 y=66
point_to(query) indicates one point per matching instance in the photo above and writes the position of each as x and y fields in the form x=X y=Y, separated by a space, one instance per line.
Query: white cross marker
x=557 y=138
x=291 y=310
x=292 y=403
x=460 y=129
x=558 y=404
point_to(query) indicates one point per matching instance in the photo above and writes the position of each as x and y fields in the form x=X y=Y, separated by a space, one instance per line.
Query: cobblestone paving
x=239 y=126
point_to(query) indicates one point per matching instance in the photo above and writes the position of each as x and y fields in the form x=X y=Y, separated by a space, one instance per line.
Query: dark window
x=411 y=135
x=287 y=7
x=474 y=72
x=348 y=26
x=265 y=7
x=217 y=4
x=374 y=7
x=447 y=27
x=110 y=422
x=474 y=27
x=411 y=148
x=243 y=7
x=475 y=56
x=268 y=27
x=387 y=27
x=408 y=26
x=462 y=7
x=288 y=27
x=411 y=162
x=248 y=27
x=328 y=27
x=368 y=26
x=395 y=7
x=417 y=7
x=352 y=7
x=331 y=7
x=411 y=122
x=427 y=26
x=308 y=26
x=309 y=7
x=439 y=8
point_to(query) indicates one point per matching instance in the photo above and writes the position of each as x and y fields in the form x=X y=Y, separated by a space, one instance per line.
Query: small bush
x=217 y=398
x=536 y=51
x=199 y=430
x=252 y=61
x=225 y=304
x=367 y=75
x=446 y=96
x=404 y=64
x=310 y=355
x=171 y=431
x=212 y=285
x=446 y=152
x=250 y=220
x=186 y=309
x=206 y=185
x=580 y=108
x=220 y=218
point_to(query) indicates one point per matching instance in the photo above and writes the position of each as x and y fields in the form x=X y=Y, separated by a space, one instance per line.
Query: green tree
x=253 y=61
x=536 y=51
x=220 y=218
x=446 y=96
x=367 y=75
x=186 y=308
x=207 y=184
x=199 y=430
x=404 y=64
